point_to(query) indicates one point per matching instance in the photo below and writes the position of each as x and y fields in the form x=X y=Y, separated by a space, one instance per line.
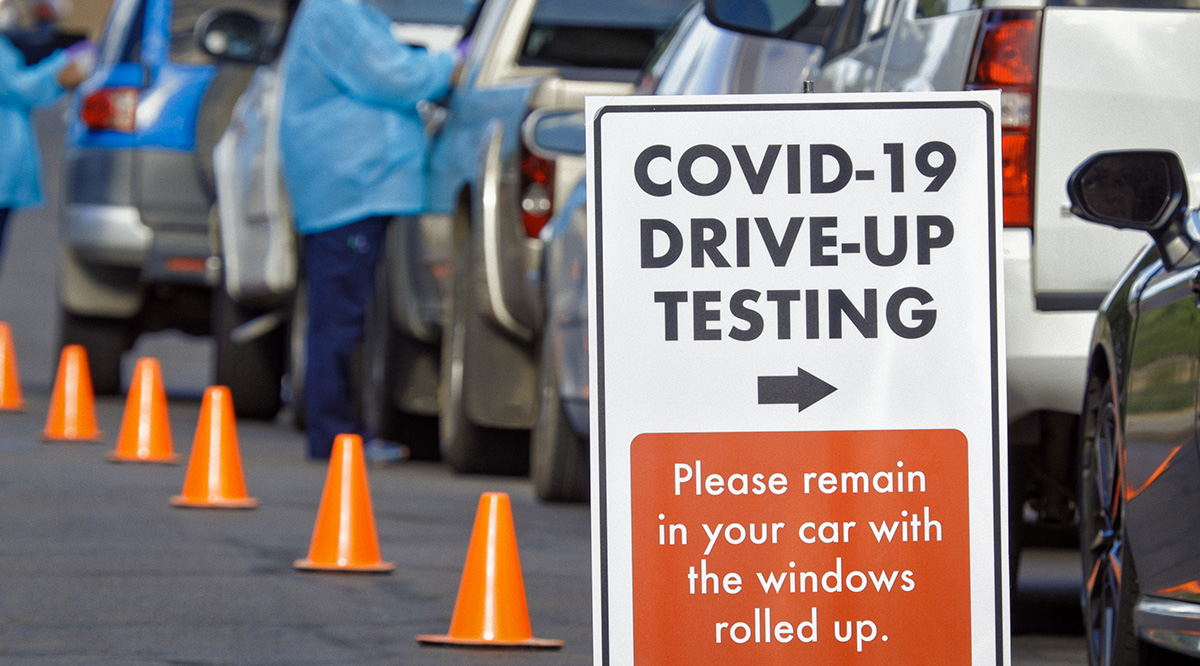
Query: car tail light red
x=537 y=192
x=1007 y=59
x=111 y=109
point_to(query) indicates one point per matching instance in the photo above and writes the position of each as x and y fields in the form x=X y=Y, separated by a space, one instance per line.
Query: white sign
x=798 y=417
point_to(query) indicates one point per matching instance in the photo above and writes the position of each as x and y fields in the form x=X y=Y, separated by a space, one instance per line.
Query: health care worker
x=21 y=89
x=353 y=148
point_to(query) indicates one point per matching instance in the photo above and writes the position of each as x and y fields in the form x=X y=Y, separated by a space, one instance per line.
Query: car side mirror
x=767 y=18
x=553 y=132
x=231 y=36
x=1135 y=189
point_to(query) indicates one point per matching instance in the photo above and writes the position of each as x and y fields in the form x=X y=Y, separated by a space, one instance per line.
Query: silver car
x=460 y=279
x=1076 y=77
x=696 y=58
x=259 y=297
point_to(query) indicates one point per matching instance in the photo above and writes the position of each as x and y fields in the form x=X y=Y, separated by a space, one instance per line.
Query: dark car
x=1139 y=468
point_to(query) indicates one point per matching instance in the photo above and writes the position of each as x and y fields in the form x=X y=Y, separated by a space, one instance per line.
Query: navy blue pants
x=340 y=276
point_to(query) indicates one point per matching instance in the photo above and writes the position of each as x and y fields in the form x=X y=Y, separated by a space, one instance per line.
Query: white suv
x=1077 y=77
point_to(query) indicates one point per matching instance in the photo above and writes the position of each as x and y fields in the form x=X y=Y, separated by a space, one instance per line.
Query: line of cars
x=441 y=341
x=1103 y=410
x=481 y=317
x=145 y=239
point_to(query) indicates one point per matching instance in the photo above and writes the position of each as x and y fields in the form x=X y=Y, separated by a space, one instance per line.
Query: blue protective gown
x=21 y=89
x=351 y=138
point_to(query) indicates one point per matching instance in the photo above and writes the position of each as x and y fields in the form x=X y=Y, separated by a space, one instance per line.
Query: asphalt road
x=96 y=567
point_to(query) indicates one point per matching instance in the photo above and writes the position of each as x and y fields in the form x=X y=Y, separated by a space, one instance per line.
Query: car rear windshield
x=617 y=34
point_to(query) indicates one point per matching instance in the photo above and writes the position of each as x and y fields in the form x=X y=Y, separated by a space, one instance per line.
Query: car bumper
x=106 y=234
x=115 y=236
x=1046 y=350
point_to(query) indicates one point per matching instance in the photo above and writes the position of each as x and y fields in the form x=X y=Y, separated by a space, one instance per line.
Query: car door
x=1161 y=474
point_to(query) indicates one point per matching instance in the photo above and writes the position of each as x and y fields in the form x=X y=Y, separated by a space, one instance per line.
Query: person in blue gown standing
x=353 y=148
x=22 y=88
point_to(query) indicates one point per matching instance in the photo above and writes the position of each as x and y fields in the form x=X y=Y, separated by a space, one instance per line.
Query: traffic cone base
x=213 y=503
x=11 y=399
x=72 y=414
x=491 y=610
x=378 y=567
x=66 y=438
x=171 y=459
x=528 y=643
x=344 y=537
x=214 y=477
x=145 y=435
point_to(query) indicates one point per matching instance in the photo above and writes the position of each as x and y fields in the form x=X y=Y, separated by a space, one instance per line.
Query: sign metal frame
x=601 y=109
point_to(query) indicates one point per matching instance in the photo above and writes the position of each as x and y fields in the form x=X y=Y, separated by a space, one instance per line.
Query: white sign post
x=798 y=408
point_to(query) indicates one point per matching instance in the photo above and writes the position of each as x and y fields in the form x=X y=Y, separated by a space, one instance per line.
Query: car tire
x=105 y=340
x=1110 y=587
x=253 y=369
x=558 y=456
x=298 y=356
x=466 y=446
x=379 y=376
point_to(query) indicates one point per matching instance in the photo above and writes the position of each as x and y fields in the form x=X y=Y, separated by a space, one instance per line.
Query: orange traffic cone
x=10 y=379
x=145 y=429
x=344 y=536
x=214 y=475
x=72 y=414
x=491 y=608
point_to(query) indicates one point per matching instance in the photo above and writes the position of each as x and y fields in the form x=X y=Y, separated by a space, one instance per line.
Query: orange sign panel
x=801 y=547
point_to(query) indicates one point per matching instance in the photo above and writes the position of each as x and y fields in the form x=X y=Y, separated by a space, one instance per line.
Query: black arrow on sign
x=802 y=389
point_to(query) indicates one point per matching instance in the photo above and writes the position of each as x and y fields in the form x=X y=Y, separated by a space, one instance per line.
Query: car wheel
x=252 y=369
x=375 y=369
x=558 y=456
x=380 y=376
x=1110 y=581
x=104 y=339
x=297 y=355
x=466 y=446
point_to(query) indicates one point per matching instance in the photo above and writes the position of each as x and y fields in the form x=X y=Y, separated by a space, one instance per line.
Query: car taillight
x=537 y=192
x=111 y=109
x=1007 y=59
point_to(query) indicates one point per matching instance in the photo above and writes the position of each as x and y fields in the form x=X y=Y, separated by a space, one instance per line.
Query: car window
x=928 y=8
x=132 y=49
x=186 y=12
x=585 y=33
x=861 y=22
x=443 y=12
x=660 y=56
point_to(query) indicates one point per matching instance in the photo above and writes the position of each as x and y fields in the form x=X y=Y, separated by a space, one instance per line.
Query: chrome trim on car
x=1170 y=623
